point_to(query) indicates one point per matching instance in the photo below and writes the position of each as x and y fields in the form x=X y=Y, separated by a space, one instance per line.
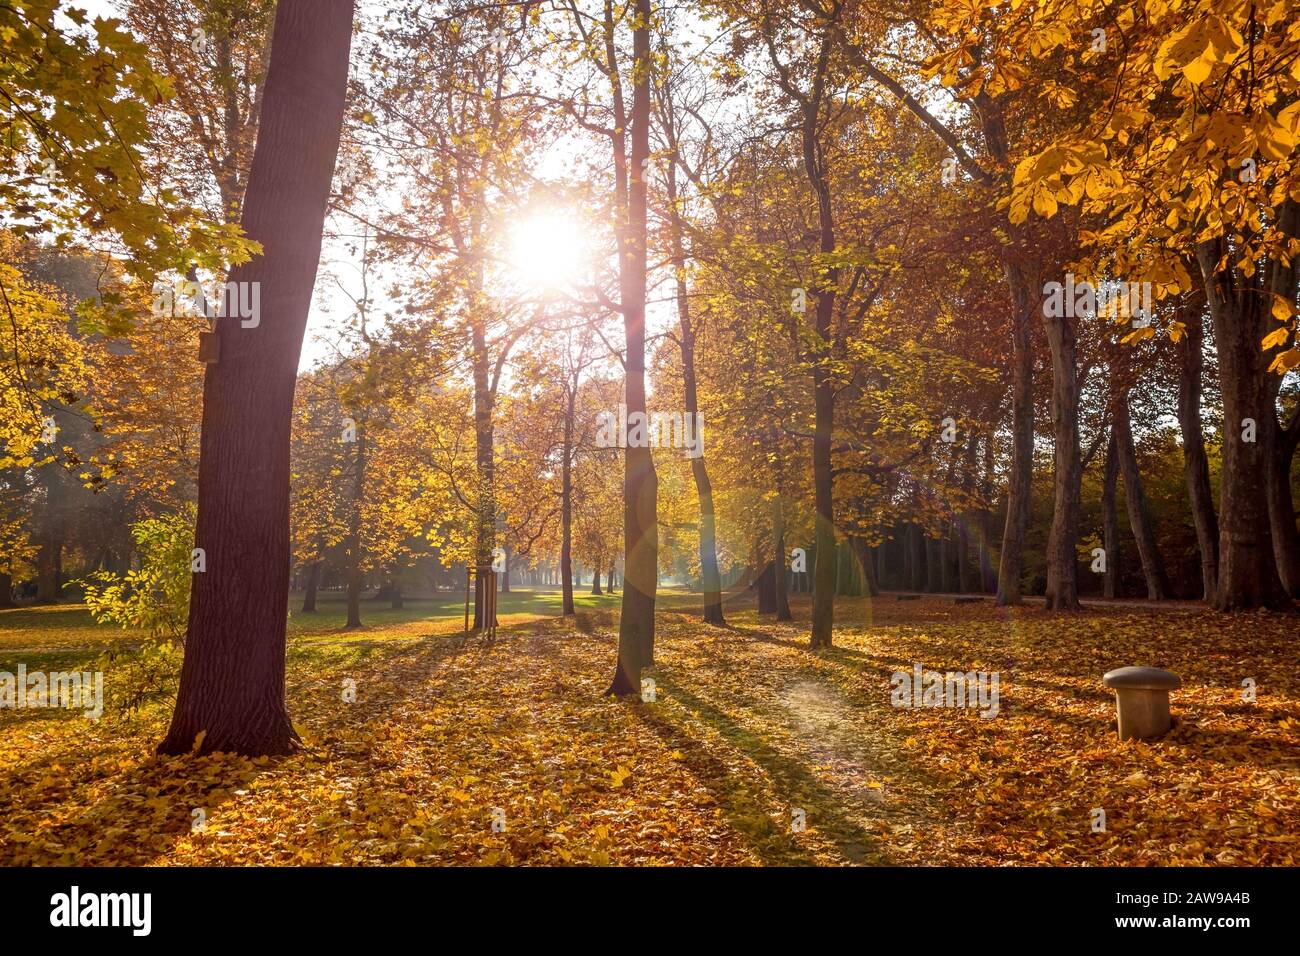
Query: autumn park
x=585 y=433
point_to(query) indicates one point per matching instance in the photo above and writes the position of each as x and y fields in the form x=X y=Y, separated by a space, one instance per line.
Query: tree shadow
x=174 y=787
x=790 y=777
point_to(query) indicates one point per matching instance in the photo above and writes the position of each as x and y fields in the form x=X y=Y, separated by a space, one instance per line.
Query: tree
x=453 y=84
x=628 y=133
x=1196 y=156
x=231 y=695
x=670 y=123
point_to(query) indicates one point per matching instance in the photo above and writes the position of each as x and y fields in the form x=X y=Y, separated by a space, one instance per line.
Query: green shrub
x=156 y=596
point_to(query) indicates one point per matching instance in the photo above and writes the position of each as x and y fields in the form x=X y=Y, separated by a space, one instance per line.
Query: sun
x=548 y=250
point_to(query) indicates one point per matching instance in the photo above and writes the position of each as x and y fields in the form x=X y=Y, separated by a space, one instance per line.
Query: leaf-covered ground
x=747 y=727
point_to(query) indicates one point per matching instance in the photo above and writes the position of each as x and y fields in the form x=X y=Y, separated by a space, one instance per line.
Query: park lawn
x=747 y=729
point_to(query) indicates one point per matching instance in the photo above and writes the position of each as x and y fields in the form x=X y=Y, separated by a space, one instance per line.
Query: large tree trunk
x=232 y=680
x=1196 y=465
x=313 y=584
x=1248 y=575
x=6 y=590
x=1110 y=520
x=636 y=625
x=595 y=580
x=1062 y=562
x=1139 y=515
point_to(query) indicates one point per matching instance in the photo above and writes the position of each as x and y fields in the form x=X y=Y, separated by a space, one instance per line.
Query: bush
x=156 y=596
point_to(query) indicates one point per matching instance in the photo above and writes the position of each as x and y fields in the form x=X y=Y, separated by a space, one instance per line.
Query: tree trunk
x=609 y=580
x=962 y=524
x=595 y=580
x=484 y=463
x=933 y=571
x=862 y=551
x=49 y=568
x=710 y=579
x=353 y=548
x=232 y=680
x=1139 y=515
x=636 y=625
x=1062 y=562
x=823 y=605
x=6 y=590
x=1281 y=505
x=1020 y=480
x=566 y=506
x=916 y=558
x=313 y=583
x=988 y=522
x=820 y=352
x=967 y=571
x=780 y=577
x=951 y=557
x=1196 y=465
x=1248 y=575
x=1110 y=521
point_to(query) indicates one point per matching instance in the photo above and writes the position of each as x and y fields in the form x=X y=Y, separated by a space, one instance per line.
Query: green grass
x=55 y=637
x=331 y=608
x=66 y=633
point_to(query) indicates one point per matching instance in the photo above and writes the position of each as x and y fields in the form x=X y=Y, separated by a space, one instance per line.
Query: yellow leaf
x=1044 y=202
x=1285 y=361
x=1275 y=338
x=1198 y=71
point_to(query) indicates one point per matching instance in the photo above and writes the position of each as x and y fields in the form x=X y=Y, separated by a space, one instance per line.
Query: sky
x=338 y=278
x=329 y=304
